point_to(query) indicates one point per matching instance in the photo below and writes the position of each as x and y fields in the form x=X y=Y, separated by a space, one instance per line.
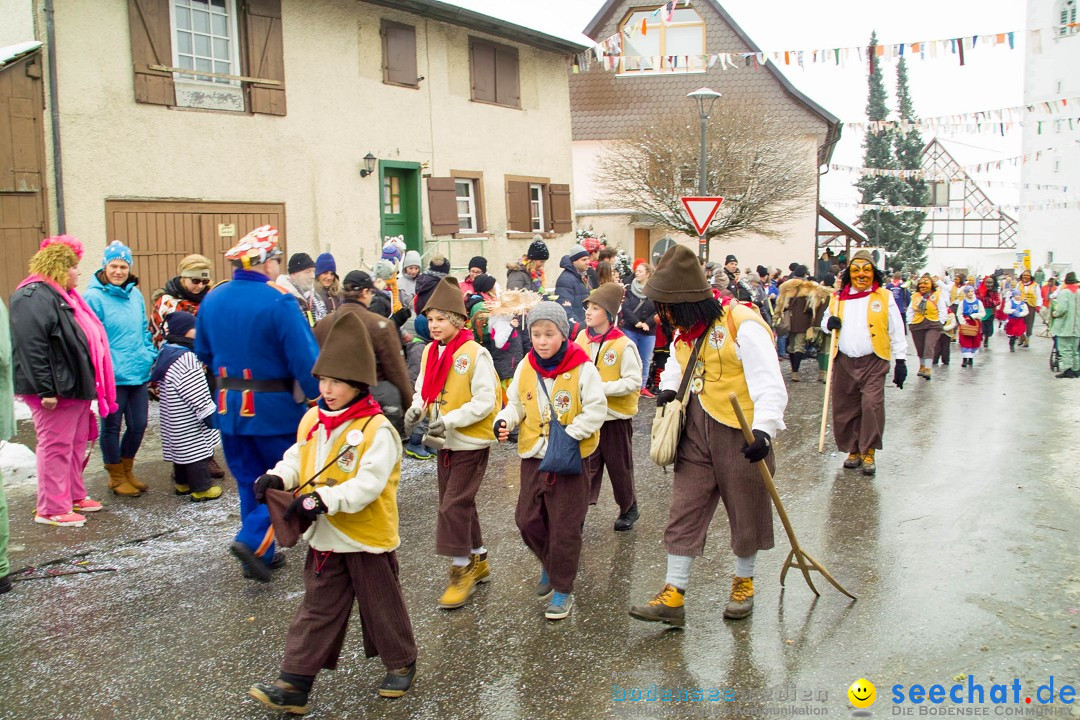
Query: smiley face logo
x=862 y=693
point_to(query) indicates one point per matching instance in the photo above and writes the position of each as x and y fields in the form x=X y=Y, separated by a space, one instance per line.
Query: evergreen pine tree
x=910 y=253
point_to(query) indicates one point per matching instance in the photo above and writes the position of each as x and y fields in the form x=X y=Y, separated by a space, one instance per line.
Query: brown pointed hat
x=608 y=296
x=447 y=297
x=347 y=353
x=678 y=278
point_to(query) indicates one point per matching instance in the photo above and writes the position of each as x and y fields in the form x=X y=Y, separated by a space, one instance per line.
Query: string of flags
x=982 y=167
x=983 y=210
x=951 y=178
x=610 y=54
x=996 y=120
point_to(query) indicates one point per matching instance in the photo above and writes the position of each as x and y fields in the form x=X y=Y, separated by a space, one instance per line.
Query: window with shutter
x=151 y=44
x=265 y=53
x=518 y=207
x=442 y=205
x=494 y=73
x=562 y=217
x=399 y=54
x=204 y=34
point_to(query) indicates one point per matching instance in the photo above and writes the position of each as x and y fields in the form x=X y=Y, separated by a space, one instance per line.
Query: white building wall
x=16 y=21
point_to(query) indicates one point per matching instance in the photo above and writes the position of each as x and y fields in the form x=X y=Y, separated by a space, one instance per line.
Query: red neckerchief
x=847 y=293
x=574 y=356
x=437 y=367
x=1074 y=287
x=691 y=335
x=361 y=408
x=613 y=333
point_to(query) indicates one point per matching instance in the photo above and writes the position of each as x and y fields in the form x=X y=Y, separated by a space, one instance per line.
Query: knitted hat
x=447 y=297
x=393 y=249
x=538 y=250
x=325 y=263
x=552 y=312
x=730 y=259
x=179 y=322
x=439 y=264
x=116 y=250
x=483 y=283
x=255 y=248
x=1070 y=278
x=300 y=262
x=862 y=255
x=479 y=262
x=412 y=259
x=590 y=244
x=578 y=253
x=358 y=280
x=194 y=266
x=608 y=296
x=347 y=353
x=678 y=278
x=638 y=261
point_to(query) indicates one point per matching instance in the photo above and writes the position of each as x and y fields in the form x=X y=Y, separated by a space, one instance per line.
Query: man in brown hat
x=863 y=351
x=344 y=469
x=717 y=350
x=456 y=389
x=617 y=360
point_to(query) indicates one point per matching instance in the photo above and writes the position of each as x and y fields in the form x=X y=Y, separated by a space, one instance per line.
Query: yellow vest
x=565 y=398
x=377 y=524
x=609 y=364
x=719 y=371
x=877 y=319
x=458 y=390
x=931 y=308
x=1029 y=293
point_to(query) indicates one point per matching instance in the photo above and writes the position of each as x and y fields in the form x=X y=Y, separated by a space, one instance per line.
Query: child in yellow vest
x=556 y=379
x=457 y=389
x=617 y=360
x=925 y=318
x=344 y=469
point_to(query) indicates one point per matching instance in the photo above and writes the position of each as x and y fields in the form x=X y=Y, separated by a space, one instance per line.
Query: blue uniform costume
x=257 y=345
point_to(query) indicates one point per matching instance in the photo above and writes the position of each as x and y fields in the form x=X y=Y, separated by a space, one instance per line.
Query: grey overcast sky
x=992 y=77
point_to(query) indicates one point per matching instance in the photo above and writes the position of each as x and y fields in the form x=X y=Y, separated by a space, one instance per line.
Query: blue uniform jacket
x=250 y=325
x=122 y=311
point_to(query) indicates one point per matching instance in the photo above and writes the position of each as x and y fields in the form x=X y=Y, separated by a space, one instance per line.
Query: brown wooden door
x=161 y=234
x=22 y=170
x=641 y=243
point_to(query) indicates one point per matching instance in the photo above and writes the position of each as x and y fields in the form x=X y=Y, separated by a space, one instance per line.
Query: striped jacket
x=185 y=401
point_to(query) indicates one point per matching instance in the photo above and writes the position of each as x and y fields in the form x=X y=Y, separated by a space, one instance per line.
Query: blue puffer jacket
x=122 y=311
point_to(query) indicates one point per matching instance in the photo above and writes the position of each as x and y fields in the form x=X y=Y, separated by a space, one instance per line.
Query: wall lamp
x=369 y=165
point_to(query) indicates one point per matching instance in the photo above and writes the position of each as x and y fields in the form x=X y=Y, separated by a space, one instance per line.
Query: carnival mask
x=862 y=275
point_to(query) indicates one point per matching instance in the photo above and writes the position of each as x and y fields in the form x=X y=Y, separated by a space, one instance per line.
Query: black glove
x=833 y=323
x=401 y=317
x=264 y=483
x=665 y=397
x=308 y=506
x=900 y=374
x=760 y=449
x=499 y=425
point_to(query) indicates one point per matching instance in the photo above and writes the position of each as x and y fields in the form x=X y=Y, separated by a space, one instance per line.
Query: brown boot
x=741 y=602
x=133 y=481
x=869 y=467
x=216 y=471
x=118 y=482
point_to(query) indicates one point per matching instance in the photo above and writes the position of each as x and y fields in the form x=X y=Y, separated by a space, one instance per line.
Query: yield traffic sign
x=701 y=210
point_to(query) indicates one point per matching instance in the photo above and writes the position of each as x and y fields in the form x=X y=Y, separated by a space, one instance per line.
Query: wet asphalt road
x=963 y=552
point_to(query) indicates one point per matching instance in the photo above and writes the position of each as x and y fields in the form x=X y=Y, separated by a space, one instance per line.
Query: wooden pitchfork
x=797 y=557
x=828 y=390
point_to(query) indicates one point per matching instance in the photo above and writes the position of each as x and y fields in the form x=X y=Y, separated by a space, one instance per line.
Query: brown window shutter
x=442 y=205
x=507 y=90
x=265 y=54
x=399 y=54
x=562 y=215
x=482 y=67
x=517 y=207
x=151 y=44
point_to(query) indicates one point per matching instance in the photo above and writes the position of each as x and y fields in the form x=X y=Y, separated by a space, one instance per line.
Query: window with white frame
x=536 y=207
x=1066 y=15
x=939 y=194
x=465 y=190
x=657 y=43
x=205 y=38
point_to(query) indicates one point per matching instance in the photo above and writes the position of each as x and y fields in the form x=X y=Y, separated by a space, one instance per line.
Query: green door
x=400 y=200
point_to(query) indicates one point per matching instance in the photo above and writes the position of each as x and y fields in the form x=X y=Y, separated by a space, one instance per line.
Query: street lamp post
x=705 y=99
x=877 y=202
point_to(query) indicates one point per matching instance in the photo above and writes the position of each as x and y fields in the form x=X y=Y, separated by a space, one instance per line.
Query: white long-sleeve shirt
x=756 y=352
x=372 y=473
x=855 y=336
x=592 y=415
x=629 y=376
x=478 y=407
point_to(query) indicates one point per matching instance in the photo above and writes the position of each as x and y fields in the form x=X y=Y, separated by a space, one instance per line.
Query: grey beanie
x=553 y=312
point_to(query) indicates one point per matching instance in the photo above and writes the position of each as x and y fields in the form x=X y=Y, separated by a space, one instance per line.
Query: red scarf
x=613 y=333
x=437 y=367
x=691 y=335
x=574 y=356
x=847 y=293
x=366 y=407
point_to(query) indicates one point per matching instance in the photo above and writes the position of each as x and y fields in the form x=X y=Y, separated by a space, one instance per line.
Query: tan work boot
x=133 y=481
x=822 y=376
x=481 y=570
x=462 y=584
x=852 y=461
x=118 y=482
x=666 y=607
x=868 y=466
x=741 y=602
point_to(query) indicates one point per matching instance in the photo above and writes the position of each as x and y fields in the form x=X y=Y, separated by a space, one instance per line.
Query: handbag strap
x=326 y=467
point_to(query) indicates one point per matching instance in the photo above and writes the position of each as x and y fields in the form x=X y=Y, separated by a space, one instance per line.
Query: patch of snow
x=22 y=410
x=18 y=465
x=13 y=52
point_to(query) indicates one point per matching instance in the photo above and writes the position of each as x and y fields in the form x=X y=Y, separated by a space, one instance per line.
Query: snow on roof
x=16 y=51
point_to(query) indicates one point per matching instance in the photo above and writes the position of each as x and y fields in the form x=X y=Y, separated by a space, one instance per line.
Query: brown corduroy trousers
x=858 y=402
x=925 y=336
x=318 y=630
x=616 y=452
x=709 y=467
x=549 y=514
x=460 y=473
